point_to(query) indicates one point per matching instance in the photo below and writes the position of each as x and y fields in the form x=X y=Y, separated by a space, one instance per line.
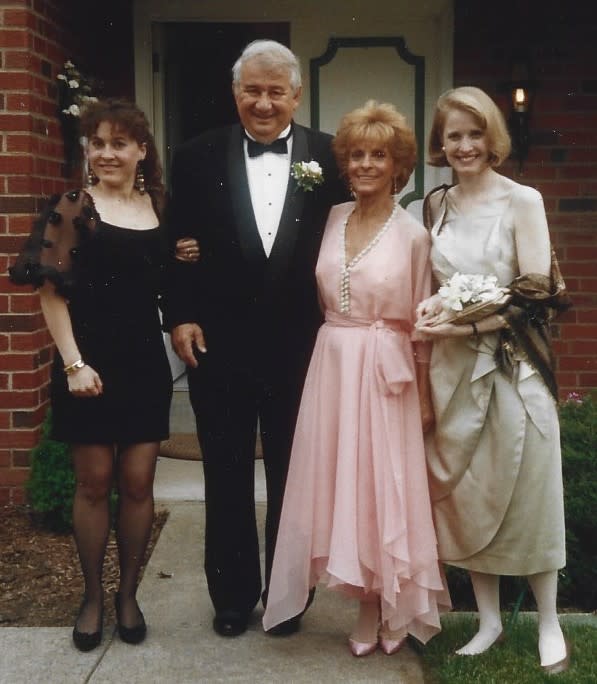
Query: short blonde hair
x=381 y=123
x=485 y=112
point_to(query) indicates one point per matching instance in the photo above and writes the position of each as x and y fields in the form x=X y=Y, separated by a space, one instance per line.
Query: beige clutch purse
x=476 y=312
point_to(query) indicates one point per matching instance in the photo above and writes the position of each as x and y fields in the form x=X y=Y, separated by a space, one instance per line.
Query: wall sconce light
x=521 y=89
x=519 y=123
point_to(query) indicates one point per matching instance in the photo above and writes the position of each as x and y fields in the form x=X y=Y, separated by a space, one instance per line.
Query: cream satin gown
x=494 y=460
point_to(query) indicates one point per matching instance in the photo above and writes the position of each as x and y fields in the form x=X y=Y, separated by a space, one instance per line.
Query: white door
x=350 y=51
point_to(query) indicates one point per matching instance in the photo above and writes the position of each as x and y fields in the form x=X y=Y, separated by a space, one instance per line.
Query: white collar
x=283 y=134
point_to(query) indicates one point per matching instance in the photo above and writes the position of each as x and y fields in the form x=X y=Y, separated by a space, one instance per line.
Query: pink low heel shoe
x=360 y=648
x=391 y=646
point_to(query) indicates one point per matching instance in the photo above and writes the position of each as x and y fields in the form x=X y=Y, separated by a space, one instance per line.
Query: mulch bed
x=40 y=579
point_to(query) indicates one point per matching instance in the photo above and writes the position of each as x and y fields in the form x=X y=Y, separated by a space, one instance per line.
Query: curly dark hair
x=127 y=117
x=381 y=123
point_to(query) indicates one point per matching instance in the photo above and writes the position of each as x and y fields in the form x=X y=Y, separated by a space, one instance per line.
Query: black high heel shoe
x=131 y=635
x=87 y=641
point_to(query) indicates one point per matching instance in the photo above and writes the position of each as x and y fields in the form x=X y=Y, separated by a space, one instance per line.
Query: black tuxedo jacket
x=257 y=313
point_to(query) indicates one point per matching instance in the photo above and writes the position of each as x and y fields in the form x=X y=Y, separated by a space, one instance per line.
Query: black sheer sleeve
x=58 y=234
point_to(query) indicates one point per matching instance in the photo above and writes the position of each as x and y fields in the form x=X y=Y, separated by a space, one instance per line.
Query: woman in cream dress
x=494 y=460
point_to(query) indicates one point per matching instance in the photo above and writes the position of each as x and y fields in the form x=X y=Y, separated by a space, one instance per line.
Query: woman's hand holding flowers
x=428 y=310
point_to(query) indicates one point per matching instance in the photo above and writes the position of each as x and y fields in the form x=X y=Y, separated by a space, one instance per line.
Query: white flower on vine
x=74 y=89
x=73 y=110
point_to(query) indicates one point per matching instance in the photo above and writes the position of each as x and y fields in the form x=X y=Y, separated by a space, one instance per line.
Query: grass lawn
x=514 y=661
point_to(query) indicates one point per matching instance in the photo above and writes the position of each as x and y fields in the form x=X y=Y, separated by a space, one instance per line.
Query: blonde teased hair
x=381 y=123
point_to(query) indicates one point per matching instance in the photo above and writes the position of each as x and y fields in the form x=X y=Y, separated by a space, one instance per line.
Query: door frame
x=438 y=14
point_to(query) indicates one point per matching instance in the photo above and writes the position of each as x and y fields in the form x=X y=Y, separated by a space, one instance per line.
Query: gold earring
x=140 y=179
x=395 y=186
x=92 y=179
x=353 y=194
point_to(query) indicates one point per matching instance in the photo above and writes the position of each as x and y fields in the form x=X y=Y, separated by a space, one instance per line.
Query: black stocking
x=93 y=466
x=136 y=469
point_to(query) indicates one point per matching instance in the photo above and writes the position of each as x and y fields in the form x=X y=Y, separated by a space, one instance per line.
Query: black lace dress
x=111 y=279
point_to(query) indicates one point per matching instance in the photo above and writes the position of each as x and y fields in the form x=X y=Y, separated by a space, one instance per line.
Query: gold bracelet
x=74 y=367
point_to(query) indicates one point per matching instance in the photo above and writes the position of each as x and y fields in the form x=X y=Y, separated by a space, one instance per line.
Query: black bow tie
x=256 y=149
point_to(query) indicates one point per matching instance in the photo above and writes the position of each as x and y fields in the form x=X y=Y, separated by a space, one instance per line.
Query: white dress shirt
x=268 y=180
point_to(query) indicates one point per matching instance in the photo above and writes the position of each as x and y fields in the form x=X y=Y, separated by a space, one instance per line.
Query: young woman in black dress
x=97 y=256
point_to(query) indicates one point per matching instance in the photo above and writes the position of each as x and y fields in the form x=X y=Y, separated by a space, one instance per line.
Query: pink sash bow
x=389 y=347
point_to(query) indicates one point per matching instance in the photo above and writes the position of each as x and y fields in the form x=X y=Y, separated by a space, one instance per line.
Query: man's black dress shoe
x=230 y=623
x=287 y=627
x=292 y=625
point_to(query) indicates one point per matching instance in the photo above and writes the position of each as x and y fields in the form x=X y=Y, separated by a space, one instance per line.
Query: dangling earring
x=92 y=179
x=353 y=194
x=395 y=186
x=140 y=179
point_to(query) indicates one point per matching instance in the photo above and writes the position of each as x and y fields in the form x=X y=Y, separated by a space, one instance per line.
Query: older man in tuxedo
x=244 y=317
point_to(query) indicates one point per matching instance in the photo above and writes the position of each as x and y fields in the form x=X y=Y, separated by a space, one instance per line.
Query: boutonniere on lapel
x=307 y=174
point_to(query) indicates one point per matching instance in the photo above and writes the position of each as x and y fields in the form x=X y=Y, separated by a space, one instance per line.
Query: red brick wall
x=560 y=40
x=36 y=37
x=32 y=51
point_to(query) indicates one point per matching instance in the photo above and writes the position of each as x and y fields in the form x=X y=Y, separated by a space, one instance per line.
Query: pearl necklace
x=347 y=267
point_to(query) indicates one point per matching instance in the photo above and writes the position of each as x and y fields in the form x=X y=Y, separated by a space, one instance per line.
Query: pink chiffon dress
x=356 y=513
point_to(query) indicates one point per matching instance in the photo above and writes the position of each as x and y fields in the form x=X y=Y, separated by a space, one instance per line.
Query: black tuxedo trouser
x=227 y=405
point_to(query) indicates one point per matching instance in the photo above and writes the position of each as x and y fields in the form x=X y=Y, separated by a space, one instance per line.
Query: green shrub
x=578 y=580
x=51 y=484
x=578 y=424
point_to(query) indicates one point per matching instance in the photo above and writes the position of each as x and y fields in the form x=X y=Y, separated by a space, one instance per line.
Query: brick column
x=559 y=38
x=32 y=52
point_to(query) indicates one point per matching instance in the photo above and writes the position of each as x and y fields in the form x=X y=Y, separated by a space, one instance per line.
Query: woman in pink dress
x=356 y=512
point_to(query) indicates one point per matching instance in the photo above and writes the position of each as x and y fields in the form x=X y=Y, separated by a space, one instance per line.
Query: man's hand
x=184 y=338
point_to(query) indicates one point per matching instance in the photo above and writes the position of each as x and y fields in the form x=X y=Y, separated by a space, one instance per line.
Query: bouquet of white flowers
x=467 y=298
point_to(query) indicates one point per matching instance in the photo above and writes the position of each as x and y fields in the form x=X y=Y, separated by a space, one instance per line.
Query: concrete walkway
x=181 y=647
